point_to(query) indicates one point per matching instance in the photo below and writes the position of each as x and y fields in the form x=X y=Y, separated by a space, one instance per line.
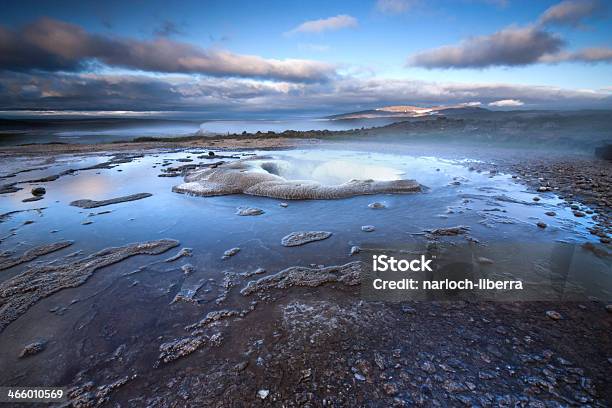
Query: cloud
x=506 y=103
x=217 y=96
x=512 y=46
x=569 y=12
x=394 y=6
x=52 y=45
x=589 y=55
x=325 y=24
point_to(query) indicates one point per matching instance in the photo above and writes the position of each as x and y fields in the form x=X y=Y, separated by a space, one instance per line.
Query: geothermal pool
x=91 y=319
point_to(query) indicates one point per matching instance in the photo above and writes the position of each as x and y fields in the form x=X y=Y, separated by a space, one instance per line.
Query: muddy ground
x=325 y=346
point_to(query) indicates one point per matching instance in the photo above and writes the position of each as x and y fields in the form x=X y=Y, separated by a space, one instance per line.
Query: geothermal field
x=178 y=275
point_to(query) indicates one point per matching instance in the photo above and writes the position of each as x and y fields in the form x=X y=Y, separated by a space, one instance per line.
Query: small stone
x=284 y=205
x=230 y=252
x=609 y=308
x=249 y=211
x=87 y=222
x=376 y=205
x=359 y=377
x=536 y=198
x=550 y=213
x=541 y=224
x=33 y=348
x=483 y=260
x=368 y=228
x=428 y=367
x=554 y=315
x=263 y=394
x=355 y=250
x=390 y=389
x=578 y=214
x=408 y=310
x=38 y=191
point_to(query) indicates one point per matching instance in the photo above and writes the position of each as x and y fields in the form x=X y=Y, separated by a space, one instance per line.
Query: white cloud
x=507 y=103
x=325 y=24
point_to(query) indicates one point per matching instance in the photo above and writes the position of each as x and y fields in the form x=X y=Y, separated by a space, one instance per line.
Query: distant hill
x=407 y=111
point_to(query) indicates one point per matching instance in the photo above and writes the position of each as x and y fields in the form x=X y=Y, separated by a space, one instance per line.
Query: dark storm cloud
x=513 y=46
x=52 y=45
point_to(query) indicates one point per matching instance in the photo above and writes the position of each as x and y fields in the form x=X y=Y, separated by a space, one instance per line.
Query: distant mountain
x=407 y=111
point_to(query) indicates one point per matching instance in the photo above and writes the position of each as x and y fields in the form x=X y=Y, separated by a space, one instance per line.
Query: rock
x=536 y=198
x=87 y=222
x=31 y=199
x=93 y=204
x=408 y=310
x=483 y=260
x=230 y=252
x=376 y=205
x=187 y=269
x=554 y=315
x=183 y=252
x=428 y=367
x=249 y=211
x=368 y=228
x=19 y=294
x=263 y=394
x=304 y=237
x=284 y=205
x=359 y=377
x=578 y=214
x=450 y=231
x=354 y=250
x=33 y=348
x=390 y=389
x=348 y=274
x=33 y=253
x=38 y=191
x=550 y=213
x=609 y=308
x=541 y=224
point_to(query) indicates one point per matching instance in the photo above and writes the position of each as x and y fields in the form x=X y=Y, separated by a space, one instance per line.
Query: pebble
x=284 y=205
x=355 y=250
x=376 y=205
x=368 y=228
x=554 y=315
x=541 y=224
x=550 y=213
x=263 y=394
x=483 y=260
x=359 y=377
x=38 y=191
x=230 y=252
x=249 y=211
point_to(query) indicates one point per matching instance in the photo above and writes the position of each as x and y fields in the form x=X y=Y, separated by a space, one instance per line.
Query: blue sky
x=333 y=55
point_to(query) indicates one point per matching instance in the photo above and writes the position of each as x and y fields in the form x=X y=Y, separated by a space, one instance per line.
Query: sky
x=303 y=58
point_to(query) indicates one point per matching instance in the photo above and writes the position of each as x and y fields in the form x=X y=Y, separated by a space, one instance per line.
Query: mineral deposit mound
x=295 y=179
